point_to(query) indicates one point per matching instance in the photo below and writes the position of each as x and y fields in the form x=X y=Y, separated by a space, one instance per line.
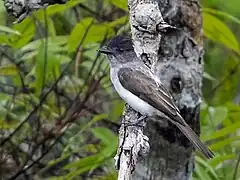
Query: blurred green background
x=75 y=122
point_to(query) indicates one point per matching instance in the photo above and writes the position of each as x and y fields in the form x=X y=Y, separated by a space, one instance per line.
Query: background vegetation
x=59 y=115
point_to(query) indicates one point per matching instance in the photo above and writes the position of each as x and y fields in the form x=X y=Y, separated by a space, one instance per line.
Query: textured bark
x=179 y=65
x=22 y=8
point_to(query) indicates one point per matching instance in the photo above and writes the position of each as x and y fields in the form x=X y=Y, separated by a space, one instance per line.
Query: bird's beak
x=105 y=50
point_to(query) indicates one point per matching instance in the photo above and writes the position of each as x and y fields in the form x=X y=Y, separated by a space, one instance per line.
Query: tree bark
x=20 y=9
x=179 y=65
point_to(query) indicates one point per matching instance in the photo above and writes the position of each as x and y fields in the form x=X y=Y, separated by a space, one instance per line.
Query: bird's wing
x=147 y=89
x=155 y=94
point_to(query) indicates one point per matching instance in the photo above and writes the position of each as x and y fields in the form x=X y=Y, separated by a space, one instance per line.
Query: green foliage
x=122 y=4
x=8 y=70
x=93 y=33
x=216 y=30
x=9 y=30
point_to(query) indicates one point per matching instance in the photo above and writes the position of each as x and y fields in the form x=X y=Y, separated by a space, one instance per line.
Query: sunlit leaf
x=201 y=173
x=47 y=68
x=216 y=30
x=8 y=70
x=220 y=159
x=7 y=125
x=106 y=135
x=208 y=167
x=47 y=23
x=56 y=178
x=223 y=132
x=222 y=14
x=88 y=32
x=27 y=29
x=117 y=110
x=6 y=29
x=208 y=76
x=119 y=21
x=54 y=44
x=217 y=114
x=224 y=142
x=95 y=119
x=226 y=88
x=87 y=162
x=79 y=171
x=122 y=4
x=53 y=9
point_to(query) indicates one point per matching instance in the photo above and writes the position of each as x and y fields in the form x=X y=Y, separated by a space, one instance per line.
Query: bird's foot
x=142 y=118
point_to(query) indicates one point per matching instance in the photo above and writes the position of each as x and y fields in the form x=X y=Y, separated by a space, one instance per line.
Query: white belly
x=135 y=102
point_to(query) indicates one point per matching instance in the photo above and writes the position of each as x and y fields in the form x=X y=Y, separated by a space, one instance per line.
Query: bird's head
x=119 y=50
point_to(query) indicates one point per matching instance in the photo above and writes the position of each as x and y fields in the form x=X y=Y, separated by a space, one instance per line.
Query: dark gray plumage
x=142 y=90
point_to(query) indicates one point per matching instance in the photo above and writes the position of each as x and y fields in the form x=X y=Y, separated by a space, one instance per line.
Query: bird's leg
x=142 y=118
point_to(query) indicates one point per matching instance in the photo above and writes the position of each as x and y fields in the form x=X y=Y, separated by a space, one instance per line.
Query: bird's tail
x=193 y=137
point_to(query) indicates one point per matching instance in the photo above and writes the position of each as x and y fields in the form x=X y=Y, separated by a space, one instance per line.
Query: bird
x=139 y=87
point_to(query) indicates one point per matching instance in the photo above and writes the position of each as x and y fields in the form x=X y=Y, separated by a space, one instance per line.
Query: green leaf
x=208 y=76
x=200 y=171
x=209 y=168
x=50 y=24
x=106 y=136
x=231 y=129
x=119 y=21
x=228 y=84
x=8 y=70
x=56 y=178
x=49 y=71
x=117 y=110
x=95 y=119
x=216 y=30
x=27 y=29
x=222 y=14
x=220 y=159
x=53 y=9
x=122 y=4
x=77 y=172
x=217 y=114
x=56 y=44
x=9 y=30
x=88 y=32
x=7 y=125
x=87 y=162
x=224 y=142
x=90 y=162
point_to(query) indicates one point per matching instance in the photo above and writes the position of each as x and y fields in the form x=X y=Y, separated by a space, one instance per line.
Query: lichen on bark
x=178 y=63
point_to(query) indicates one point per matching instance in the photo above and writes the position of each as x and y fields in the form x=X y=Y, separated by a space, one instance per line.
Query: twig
x=236 y=168
x=78 y=61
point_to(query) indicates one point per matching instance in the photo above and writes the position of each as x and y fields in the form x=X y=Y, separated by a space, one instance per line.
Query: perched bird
x=142 y=90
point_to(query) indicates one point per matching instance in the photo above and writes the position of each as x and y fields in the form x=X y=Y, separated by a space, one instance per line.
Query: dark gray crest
x=119 y=50
x=120 y=44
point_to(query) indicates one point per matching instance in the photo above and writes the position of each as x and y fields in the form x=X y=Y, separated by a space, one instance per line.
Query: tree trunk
x=180 y=68
x=177 y=60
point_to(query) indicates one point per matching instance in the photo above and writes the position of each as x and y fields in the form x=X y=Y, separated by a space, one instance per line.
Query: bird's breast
x=134 y=101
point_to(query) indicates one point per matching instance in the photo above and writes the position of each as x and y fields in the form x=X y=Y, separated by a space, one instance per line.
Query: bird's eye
x=120 y=49
x=176 y=84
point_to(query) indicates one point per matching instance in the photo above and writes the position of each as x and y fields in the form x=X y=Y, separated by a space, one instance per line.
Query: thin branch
x=236 y=167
